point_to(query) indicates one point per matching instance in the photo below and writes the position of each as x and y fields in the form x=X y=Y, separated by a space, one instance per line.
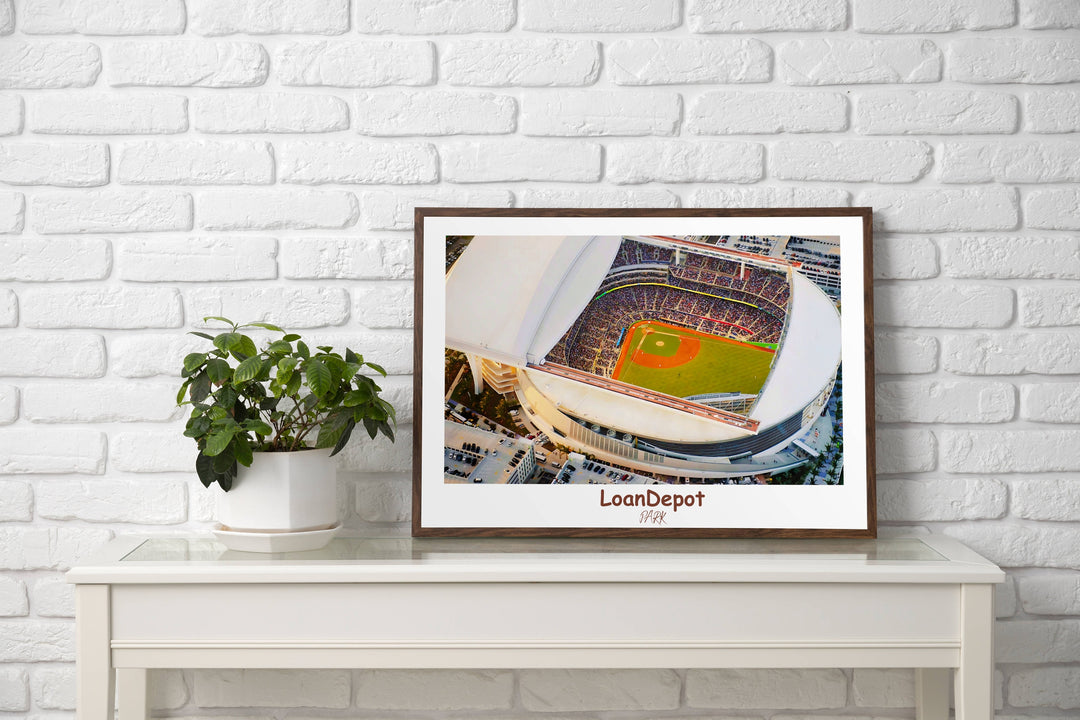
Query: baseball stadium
x=677 y=357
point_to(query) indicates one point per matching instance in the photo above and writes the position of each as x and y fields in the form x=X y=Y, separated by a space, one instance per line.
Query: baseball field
x=682 y=362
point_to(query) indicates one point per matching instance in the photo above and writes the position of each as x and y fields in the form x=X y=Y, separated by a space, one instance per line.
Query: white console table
x=924 y=602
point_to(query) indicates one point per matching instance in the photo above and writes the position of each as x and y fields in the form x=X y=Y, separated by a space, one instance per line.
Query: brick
x=598 y=690
x=1011 y=257
x=1014 y=60
x=904 y=353
x=54 y=688
x=272 y=688
x=937 y=112
x=871 y=687
x=398 y=391
x=1019 y=163
x=383 y=305
x=35 y=451
x=13 y=602
x=151 y=452
x=1037 y=641
x=102 y=17
x=269 y=113
x=539 y=62
x=48 y=548
x=943 y=209
x=943 y=305
x=1050 y=402
x=787 y=689
x=12 y=212
x=365 y=455
x=1055 y=499
x=1005 y=451
x=904 y=258
x=196 y=259
x=393 y=209
x=291 y=307
x=1049 y=306
x=604 y=16
x=383 y=498
x=1046 y=353
x=228 y=17
x=1053 y=209
x=316 y=163
x=1057 y=594
x=738 y=113
x=940 y=499
x=510 y=161
x=883 y=16
x=599 y=197
x=353 y=258
x=1053 y=111
x=670 y=61
x=1049 y=14
x=1005 y=598
x=102 y=307
x=9 y=405
x=353 y=63
x=722 y=16
x=756 y=197
x=937 y=401
x=7 y=17
x=111 y=211
x=905 y=451
x=47 y=64
x=168 y=690
x=76 y=402
x=1045 y=687
x=434 y=112
x=882 y=161
x=114 y=501
x=37 y=259
x=277 y=210
x=601 y=112
x=11 y=115
x=64 y=165
x=845 y=62
x=1010 y=545
x=419 y=17
x=138 y=355
x=105 y=114
x=392 y=349
x=53 y=355
x=14 y=687
x=188 y=63
x=443 y=689
x=196 y=162
x=53 y=597
x=683 y=161
x=9 y=308
x=35 y=641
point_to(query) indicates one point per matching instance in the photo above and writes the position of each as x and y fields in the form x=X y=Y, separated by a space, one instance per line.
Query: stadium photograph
x=643 y=359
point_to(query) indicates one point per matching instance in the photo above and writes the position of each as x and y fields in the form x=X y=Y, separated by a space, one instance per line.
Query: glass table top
x=451 y=550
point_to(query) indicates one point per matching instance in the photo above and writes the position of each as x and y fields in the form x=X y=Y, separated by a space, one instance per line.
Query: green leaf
x=204 y=466
x=247 y=370
x=182 y=392
x=319 y=377
x=372 y=427
x=344 y=439
x=302 y=349
x=200 y=387
x=356 y=397
x=332 y=428
x=227 y=341
x=193 y=361
x=242 y=450
x=293 y=386
x=258 y=427
x=227 y=321
x=279 y=346
x=376 y=368
x=291 y=337
x=351 y=357
x=218 y=370
x=326 y=348
x=217 y=442
x=202 y=335
x=264 y=326
x=386 y=430
x=246 y=347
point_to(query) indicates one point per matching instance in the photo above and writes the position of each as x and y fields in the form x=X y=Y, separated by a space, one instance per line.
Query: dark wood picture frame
x=862 y=524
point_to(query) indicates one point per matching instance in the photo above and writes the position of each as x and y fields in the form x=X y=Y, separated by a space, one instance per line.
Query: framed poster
x=643 y=373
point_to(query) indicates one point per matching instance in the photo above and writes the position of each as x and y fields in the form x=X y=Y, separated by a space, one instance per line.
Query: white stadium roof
x=511 y=299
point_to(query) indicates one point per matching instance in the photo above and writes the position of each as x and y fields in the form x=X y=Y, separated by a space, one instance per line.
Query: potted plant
x=267 y=422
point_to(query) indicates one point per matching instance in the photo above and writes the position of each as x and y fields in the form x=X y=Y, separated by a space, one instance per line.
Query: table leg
x=931 y=694
x=93 y=654
x=132 y=697
x=975 y=676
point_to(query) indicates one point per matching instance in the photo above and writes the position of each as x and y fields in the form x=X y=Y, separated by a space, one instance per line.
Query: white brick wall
x=162 y=160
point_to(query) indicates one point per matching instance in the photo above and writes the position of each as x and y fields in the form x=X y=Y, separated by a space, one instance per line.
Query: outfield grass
x=720 y=365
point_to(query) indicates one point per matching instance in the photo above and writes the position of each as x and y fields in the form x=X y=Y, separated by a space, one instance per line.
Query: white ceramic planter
x=281 y=493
